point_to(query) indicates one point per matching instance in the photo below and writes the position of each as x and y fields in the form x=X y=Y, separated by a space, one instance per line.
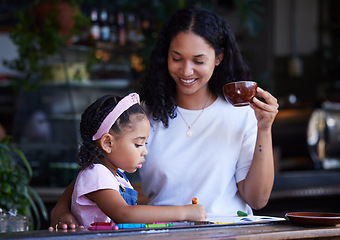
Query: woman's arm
x=257 y=186
x=61 y=216
x=115 y=207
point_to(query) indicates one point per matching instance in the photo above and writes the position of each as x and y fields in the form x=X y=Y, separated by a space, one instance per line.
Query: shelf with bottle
x=120 y=38
x=116 y=28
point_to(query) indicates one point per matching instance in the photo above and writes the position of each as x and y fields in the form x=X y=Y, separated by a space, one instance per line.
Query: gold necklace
x=189 y=132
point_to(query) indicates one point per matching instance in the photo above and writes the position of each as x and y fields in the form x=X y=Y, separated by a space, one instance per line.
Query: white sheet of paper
x=236 y=219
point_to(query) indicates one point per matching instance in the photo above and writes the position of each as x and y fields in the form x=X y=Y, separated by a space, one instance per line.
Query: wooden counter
x=270 y=231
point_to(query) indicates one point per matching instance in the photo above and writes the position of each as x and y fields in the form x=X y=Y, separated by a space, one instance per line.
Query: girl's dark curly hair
x=91 y=119
x=158 y=89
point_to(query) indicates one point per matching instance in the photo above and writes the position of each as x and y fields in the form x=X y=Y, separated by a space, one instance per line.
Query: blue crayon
x=169 y=224
x=181 y=224
x=130 y=225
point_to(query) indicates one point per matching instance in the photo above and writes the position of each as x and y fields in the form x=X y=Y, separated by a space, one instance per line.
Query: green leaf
x=15 y=191
x=39 y=201
x=24 y=160
x=35 y=210
x=5 y=188
x=250 y=15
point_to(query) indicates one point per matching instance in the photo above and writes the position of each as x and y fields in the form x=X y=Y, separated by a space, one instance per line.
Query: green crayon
x=157 y=225
x=242 y=214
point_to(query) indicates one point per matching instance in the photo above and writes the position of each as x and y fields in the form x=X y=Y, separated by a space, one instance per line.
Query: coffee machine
x=323 y=136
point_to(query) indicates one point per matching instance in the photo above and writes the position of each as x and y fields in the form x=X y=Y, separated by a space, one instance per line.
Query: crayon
x=158 y=225
x=130 y=225
x=99 y=227
x=103 y=224
x=242 y=214
x=107 y=226
x=184 y=223
x=175 y=224
x=194 y=200
x=202 y=222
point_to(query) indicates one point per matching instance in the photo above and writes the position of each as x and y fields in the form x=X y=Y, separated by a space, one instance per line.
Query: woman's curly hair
x=158 y=89
x=91 y=120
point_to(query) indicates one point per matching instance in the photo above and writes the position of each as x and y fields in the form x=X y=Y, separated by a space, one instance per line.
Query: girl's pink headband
x=110 y=119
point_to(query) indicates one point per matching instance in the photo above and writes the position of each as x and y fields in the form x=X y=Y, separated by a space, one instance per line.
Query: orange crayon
x=194 y=200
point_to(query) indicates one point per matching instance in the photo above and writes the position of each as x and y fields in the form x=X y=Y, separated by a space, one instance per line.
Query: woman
x=199 y=144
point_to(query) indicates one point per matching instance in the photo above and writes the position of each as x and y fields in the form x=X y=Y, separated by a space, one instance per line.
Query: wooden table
x=270 y=231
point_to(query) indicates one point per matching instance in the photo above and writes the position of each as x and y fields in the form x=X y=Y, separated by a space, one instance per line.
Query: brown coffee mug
x=240 y=93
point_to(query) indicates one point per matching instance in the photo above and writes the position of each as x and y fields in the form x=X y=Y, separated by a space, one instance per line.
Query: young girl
x=114 y=132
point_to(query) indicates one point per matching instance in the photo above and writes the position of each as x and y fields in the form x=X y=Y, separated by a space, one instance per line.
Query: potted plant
x=15 y=190
x=40 y=33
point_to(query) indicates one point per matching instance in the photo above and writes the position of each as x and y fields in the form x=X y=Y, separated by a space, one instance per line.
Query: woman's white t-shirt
x=207 y=165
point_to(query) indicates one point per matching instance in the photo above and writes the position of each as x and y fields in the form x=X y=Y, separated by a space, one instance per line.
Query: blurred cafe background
x=48 y=76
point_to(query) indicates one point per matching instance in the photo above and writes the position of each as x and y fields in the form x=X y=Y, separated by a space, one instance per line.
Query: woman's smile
x=188 y=81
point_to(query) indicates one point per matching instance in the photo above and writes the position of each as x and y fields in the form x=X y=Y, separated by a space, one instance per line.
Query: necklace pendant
x=189 y=132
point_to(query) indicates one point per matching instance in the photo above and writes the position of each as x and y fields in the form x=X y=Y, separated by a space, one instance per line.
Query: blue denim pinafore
x=130 y=195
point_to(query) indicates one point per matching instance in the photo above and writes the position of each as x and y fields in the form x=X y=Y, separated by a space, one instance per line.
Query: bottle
x=104 y=26
x=121 y=28
x=139 y=33
x=131 y=29
x=113 y=28
x=95 y=28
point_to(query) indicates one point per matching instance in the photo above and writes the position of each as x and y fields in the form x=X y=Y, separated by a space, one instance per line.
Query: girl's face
x=191 y=62
x=128 y=149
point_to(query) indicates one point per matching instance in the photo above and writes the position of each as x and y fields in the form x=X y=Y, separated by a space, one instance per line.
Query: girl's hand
x=63 y=221
x=61 y=216
x=265 y=112
x=195 y=212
